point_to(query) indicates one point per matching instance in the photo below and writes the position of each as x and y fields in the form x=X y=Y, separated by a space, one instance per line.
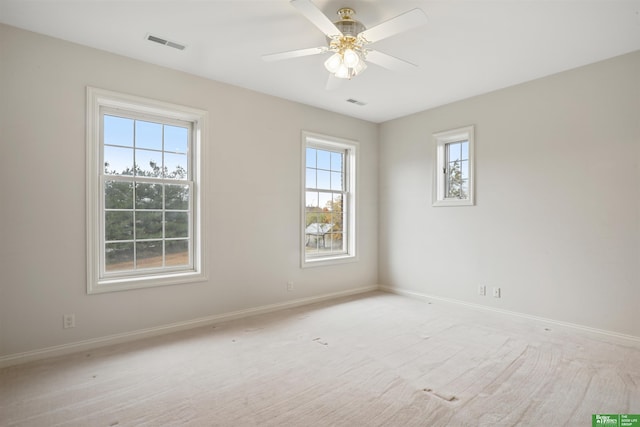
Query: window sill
x=326 y=261
x=123 y=284
x=453 y=202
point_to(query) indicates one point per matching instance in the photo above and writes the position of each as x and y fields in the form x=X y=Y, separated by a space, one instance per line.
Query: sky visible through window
x=145 y=144
x=324 y=171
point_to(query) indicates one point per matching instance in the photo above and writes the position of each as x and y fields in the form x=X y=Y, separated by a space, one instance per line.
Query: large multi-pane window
x=454 y=167
x=147 y=188
x=145 y=211
x=329 y=204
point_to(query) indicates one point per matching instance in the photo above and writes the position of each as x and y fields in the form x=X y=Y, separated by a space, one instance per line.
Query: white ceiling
x=465 y=49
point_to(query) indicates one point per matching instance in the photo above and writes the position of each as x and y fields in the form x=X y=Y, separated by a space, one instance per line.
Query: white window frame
x=441 y=140
x=101 y=102
x=314 y=140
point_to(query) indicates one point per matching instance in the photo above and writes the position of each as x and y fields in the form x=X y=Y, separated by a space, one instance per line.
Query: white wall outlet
x=496 y=292
x=69 y=321
x=482 y=290
x=290 y=286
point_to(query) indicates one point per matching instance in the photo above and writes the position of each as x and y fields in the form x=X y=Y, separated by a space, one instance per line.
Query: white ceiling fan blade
x=389 y=62
x=407 y=21
x=317 y=18
x=294 y=54
x=333 y=83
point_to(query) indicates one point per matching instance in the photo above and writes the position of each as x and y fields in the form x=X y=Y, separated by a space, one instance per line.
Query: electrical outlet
x=290 y=286
x=69 y=321
x=482 y=290
x=496 y=292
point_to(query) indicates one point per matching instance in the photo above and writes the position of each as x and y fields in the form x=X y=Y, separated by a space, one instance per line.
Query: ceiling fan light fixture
x=346 y=63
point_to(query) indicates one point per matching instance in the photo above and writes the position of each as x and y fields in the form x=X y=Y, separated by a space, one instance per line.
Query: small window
x=454 y=167
x=328 y=212
x=144 y=194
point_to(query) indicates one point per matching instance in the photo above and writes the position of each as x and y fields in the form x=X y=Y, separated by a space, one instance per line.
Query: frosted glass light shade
x=351 y=58
x=343 y=72
x=333 y=63
x=360 y=67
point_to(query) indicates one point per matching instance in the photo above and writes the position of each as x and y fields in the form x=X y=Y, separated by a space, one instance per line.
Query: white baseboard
x=420 y=295
x=64 y=349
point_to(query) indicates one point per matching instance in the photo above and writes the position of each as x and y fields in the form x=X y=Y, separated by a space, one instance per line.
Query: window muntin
x=454 y=167
x=328 y=221
x=145 y=192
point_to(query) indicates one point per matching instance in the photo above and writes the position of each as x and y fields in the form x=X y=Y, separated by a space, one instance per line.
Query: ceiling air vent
x=355 y=101
x=160 y=40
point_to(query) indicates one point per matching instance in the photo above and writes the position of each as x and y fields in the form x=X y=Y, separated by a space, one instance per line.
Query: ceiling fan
x=348 y=40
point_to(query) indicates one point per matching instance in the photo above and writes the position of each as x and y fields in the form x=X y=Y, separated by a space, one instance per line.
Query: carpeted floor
x=373 y=360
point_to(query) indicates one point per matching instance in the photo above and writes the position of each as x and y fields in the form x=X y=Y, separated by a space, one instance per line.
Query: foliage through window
x=329 y=208
x=146 y=212
x=454 y=167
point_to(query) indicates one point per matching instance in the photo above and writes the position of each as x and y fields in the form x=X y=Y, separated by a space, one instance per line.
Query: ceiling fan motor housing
x=347 y=25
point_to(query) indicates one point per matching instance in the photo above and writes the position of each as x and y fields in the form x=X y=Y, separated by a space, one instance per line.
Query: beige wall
x=253 y=161
x=557 y=221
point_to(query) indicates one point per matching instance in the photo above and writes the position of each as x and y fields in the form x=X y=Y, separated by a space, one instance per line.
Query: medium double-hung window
x=144 y=211
x=328 y=215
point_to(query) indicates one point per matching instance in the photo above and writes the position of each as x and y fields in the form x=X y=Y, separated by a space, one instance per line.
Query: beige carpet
x=374 y=360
